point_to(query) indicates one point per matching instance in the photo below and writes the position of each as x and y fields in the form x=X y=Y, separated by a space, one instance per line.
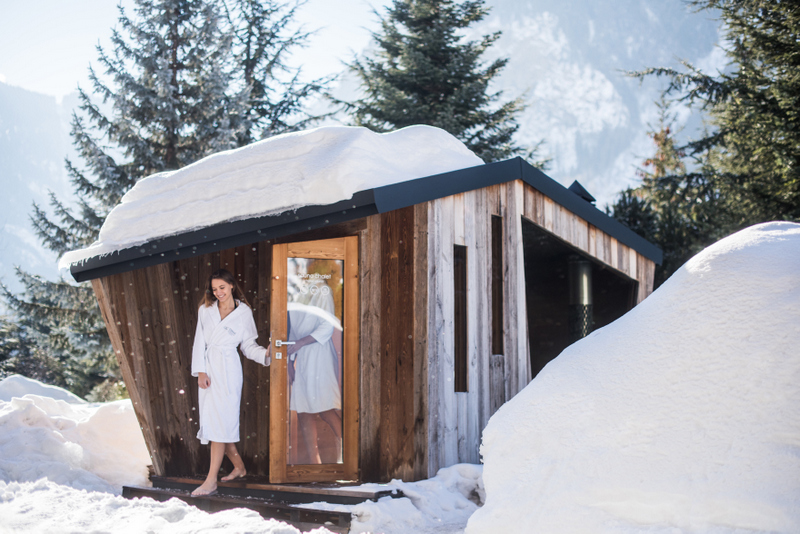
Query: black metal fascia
x=404 y=194
x=588 y=212
x=225 y=235
x=412 y=192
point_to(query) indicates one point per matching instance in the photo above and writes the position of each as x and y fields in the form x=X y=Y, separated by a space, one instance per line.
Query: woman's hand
x=203 y=381
x=299 y=344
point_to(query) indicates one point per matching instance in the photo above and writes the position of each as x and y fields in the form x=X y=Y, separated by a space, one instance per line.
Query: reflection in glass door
x=314 y=295
x=314 y=331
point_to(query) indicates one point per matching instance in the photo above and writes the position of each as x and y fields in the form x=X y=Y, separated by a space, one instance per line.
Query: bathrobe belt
x=223 y=350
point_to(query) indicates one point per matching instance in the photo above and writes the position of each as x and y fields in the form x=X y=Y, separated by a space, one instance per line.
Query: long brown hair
x=225 y=275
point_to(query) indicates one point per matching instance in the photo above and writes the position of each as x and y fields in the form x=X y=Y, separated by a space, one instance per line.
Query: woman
x=314 y=376
x=224 y=321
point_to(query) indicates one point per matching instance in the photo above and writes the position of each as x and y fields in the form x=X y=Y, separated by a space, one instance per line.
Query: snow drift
x=314 y=167
x=46 y=431
x=680 y=416
x=63 y=462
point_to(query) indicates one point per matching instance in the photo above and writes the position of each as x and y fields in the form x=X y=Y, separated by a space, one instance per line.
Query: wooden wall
x=394 y=365
x=457 y=419
x=151 y=316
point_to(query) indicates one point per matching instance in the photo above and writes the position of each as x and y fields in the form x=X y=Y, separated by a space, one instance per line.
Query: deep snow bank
x=19 y=386
x=96 y=447
x=683 y=415
x=319 y=166
x=62 y=465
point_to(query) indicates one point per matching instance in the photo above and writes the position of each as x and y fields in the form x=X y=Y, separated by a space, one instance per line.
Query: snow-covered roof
x=680 y=416
x=313 y=167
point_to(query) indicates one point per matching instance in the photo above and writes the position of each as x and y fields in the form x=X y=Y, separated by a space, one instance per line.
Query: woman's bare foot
x=207 y=488
x=236 y=473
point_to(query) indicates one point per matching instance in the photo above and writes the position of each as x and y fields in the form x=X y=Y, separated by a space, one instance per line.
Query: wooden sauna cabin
x=451 y=291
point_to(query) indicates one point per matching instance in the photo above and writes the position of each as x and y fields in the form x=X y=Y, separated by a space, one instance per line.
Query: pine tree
x=680 y=211
x=262 y=42
x=179 y=87
x=752 y=154
x=425 y=72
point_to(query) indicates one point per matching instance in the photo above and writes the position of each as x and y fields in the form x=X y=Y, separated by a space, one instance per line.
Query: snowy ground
x=63 y=463
x=683 y=416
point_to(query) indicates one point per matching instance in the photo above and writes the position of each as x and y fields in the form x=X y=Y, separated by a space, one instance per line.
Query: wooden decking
x=288 y=503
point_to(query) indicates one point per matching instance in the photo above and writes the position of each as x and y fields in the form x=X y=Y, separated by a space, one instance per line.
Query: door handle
x=279 y=343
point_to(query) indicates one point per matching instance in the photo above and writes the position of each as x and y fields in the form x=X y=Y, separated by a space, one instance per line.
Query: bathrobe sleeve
x=323 y=331
x=199 y=347
x=250 y=348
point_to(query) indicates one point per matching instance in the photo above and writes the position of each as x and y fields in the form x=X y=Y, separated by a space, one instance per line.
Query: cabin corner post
x=518 y=369
x=117 y=337
x=442 y=408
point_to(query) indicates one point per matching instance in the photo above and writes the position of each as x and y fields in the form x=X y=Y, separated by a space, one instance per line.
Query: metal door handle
x=279 y=343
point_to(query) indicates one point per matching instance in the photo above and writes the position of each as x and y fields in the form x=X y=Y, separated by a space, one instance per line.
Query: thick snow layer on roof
x=682 y=416
x=314 y=167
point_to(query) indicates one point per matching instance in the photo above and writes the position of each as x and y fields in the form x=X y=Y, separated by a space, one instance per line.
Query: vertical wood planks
x=420 y=460
x=370 y=369
x=516 y=342
x=397 y=346
x=443 y=438
x=477 y=230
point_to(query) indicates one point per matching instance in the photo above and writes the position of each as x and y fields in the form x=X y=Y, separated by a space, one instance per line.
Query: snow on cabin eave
x=221 y=236
x=382 y=199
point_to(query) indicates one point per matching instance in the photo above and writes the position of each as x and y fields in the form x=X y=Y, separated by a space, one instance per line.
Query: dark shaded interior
x=547 y=293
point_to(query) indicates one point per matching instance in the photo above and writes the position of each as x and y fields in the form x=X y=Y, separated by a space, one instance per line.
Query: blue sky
x=48 y=45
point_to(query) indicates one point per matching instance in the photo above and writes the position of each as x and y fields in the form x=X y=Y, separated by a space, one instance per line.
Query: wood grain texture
x=397 y=345
x=420 y=338
x=278 y=398
x=370 y=368
x=352 y=330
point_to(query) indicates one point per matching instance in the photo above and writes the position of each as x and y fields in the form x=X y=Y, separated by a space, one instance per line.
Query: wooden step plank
x=305 y=519
x=302 y=493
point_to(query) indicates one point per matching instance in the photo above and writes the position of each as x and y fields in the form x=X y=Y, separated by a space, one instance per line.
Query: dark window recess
x=497 y=285
x=460 y=316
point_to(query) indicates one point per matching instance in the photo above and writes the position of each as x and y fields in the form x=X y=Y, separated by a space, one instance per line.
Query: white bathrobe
x=316 y=382
x=214 y=353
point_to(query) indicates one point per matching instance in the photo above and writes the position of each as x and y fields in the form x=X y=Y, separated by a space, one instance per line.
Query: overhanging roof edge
x=363 y=203
x=588 y=212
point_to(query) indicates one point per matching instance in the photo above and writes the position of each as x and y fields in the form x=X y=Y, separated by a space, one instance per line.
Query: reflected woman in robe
x=315 y=376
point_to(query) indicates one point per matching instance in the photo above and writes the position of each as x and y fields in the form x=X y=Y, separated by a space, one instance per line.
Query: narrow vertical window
x=497 y=285
x=460 y=316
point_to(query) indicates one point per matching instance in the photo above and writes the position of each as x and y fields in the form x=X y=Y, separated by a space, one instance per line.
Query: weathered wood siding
x=457 y=419
x=151 y=316
x=394 y=345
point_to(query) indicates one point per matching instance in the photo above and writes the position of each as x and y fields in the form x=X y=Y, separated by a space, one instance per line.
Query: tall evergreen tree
x=425 y=72
x=179 y=86
x=262 y=42
x=752 y=153
x=678 y=210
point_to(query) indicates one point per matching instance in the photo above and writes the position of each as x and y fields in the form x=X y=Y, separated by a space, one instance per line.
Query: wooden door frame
x=346 y=249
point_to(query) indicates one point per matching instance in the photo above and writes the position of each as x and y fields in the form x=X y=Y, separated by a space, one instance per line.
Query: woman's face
x=221 y=289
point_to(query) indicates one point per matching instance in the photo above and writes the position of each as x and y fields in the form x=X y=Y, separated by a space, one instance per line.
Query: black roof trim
x=379 y=200
x=581 y=191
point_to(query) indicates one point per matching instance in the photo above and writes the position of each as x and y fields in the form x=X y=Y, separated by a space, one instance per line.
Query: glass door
x=314 y=370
